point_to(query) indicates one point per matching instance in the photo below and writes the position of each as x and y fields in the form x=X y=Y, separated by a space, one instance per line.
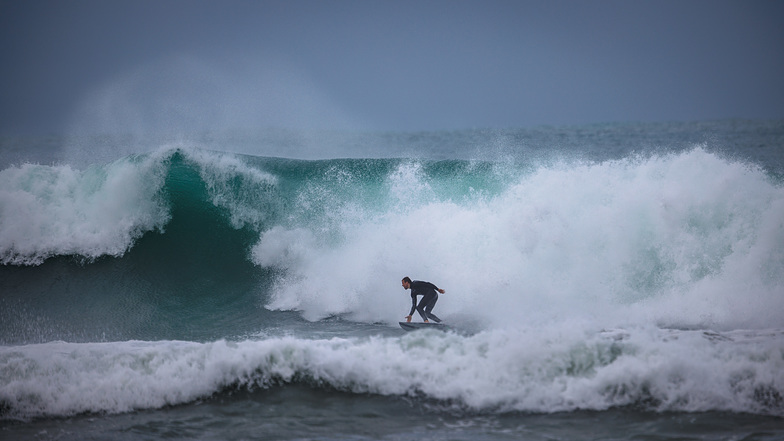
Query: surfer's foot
x=427 y=321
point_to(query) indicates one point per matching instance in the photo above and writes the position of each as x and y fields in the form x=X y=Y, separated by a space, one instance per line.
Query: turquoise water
x=626 y=276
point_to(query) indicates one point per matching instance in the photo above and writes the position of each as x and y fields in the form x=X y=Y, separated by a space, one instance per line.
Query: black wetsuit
x=429 y=293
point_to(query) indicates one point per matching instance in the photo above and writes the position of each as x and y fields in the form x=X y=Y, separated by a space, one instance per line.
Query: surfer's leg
x=429 y=307
x=421 y=309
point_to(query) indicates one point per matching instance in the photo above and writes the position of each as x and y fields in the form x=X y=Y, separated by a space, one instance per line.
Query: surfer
x=429 y=293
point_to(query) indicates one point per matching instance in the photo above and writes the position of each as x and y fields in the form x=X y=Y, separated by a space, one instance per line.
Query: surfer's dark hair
x=406 y=279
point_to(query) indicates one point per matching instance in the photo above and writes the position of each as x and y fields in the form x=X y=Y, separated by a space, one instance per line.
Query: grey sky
x=72 y=65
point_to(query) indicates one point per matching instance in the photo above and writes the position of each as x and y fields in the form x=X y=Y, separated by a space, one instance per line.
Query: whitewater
x=588 y=274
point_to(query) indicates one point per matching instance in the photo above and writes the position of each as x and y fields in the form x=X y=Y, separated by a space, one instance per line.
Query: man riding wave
x=429 y=293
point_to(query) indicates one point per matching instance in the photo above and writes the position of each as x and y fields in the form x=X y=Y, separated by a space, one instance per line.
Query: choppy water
x=620 y=281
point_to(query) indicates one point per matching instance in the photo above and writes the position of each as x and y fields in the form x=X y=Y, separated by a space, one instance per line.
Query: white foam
x=538 y=370
x=58 y=210
x=687 y=239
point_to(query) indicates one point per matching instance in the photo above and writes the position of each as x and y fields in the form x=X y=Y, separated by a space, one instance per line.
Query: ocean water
x=616 y=281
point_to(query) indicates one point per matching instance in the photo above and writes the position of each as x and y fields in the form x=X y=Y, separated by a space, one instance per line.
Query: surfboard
x=413 y=326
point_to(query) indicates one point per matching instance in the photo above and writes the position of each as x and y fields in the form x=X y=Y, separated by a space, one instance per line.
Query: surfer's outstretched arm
x=413 y=307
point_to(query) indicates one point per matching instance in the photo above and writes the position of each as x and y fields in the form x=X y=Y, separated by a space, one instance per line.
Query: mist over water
x=189 y=100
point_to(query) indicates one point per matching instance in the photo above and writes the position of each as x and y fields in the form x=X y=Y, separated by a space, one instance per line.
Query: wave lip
x=57 y=210
x=48 y=211
x=497 y=371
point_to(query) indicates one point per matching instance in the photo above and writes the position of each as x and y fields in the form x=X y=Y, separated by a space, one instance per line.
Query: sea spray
x=665 y=239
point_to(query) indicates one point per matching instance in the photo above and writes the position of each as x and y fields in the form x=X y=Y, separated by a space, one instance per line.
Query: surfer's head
x=406 y=283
